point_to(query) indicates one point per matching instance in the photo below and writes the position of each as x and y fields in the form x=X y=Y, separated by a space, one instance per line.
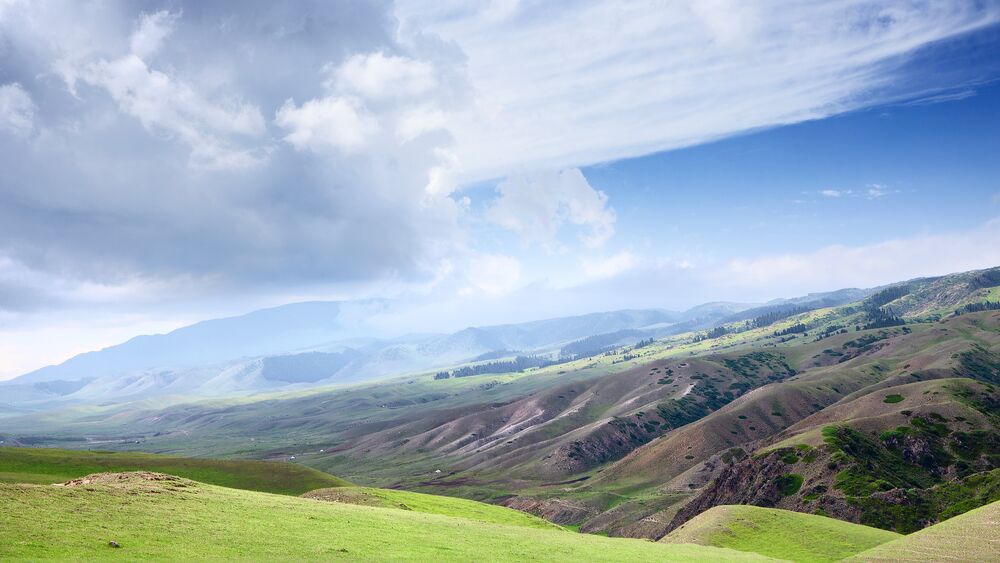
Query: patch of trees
x=885 y=296
x=643 y=343
x=508 y=366
x=771 y=317
x=977 y=307
x=989 y=278
x=597 y=344
x=882 y=318
x=794 y=329
x=714 y=333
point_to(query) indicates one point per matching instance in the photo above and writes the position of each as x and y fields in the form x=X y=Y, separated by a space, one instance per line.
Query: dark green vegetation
x=519 y=363
x=809 y=412
x=44 y=465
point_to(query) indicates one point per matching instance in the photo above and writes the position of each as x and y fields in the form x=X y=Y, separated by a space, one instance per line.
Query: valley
x=799 y=408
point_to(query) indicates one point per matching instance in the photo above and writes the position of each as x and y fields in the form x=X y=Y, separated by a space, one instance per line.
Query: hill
x=429 y=504
x=155 y=516
x=46 y=466
x=778 y=533
x=637 y=439
x=969 y=537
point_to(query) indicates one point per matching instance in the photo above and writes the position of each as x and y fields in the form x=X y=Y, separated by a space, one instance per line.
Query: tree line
x=506 y=366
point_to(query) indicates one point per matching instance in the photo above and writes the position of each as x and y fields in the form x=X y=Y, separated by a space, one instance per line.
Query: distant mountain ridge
x=296 y=346
x=319 y=343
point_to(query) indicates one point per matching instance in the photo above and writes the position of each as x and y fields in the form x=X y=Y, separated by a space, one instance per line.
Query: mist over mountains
x=320 y=343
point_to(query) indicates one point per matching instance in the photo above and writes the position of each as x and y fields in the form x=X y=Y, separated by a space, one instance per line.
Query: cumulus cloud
x=165 y=104
x=157 y=163
x=536 y=206
x=338 y=123
x=17 y=111
x=377 y=75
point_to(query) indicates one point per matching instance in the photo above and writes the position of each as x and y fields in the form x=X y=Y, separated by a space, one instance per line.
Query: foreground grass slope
x=430 y=504
x=152 y=516
x=778 y=533
x=969 y=537
x=45 y=466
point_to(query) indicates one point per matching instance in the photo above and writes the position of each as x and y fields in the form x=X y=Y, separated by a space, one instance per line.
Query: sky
x=170 y=161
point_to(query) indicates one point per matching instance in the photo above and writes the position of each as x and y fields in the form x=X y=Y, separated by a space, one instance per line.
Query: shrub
x=788 y=484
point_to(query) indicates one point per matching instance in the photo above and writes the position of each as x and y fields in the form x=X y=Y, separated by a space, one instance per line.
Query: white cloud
x=165 y=104
x=334 y=122
x=606 y=80
x=17 y=110
x=493 y=274
x=153 y=30
x=377 y=75
x=609 y=266
x=536 y=206
x=417 y=121
x=870 y=191
x=875 y=191
x=840 y=266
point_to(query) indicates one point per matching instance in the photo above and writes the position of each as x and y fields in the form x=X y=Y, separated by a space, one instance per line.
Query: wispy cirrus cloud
x=558 y=88
x=870 y=191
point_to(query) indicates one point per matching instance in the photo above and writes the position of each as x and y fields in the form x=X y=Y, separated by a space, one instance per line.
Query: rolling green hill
x=45 y=466
x=429 y=504
x=154 y=516
x=778 y=533
x=969 y=537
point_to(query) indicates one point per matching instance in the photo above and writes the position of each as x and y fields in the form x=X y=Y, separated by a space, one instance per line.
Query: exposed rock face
x=751 y=481
x=555 y=510
x=123 y=478
x=918 y=450
x=608 y=442
x=642 y=518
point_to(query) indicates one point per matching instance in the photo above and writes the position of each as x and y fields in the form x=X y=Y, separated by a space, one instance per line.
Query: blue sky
x=480 y=162
x=934 y=166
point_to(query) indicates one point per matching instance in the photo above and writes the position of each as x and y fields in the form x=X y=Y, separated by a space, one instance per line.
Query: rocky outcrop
x=751 y=481
x=556 y=510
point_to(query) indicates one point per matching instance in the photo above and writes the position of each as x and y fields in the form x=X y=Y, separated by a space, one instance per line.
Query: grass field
x=153 y=517
x=430 y=504
x=972 y=536
x=778 y=533
x=44 y=466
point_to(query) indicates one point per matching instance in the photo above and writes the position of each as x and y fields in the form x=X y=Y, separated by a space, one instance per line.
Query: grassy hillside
x=151 y=516
x=627 y=441
x=778 y=533
x=429 y=504
x=969 y=537
x=44 y=465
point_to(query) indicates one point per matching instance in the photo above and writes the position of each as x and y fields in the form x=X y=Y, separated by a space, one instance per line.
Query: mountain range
x=878 y=406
